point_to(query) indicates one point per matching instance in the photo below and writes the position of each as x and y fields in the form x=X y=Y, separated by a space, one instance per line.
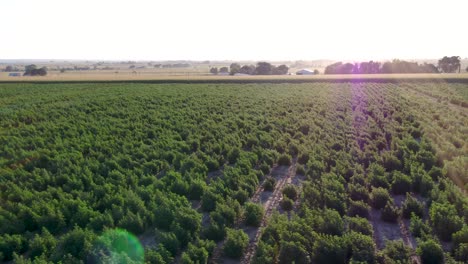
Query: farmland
x=313 y=172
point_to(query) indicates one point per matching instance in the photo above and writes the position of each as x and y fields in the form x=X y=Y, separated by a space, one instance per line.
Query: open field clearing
x=198 y=76
x=301 y=169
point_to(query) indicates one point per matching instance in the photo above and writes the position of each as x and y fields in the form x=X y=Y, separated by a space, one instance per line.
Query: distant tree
x=214 y=70
x=264 y=68
x=234 y=68
x=450 y=64
x=247 y=69
x=281 y=70
x=466 y=69
x=339 y=68
x=223 y=70
x=132 y=67
x=32 y=70
x=316 y=72
x=9 y=68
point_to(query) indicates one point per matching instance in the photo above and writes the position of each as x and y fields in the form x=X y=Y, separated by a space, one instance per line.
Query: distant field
x=194 y=75
x=321 y=172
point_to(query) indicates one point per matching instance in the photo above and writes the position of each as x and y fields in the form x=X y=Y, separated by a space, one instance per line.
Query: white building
x=305 y=72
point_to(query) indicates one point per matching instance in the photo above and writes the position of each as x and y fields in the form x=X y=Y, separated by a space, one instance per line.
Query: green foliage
x=418 y=227
x=265 y=254
x=236 y=242
x=10 y=244
x=42 y=243
x=412 y=206
x=445 y=220
x=401 y=183
x=284 y=159
x=253 y=214
x=290 y=191
x=390 y=213
x=137 y=155
x=358 y=208
x=362 y=248
x=269 y=184
x=330 y=249
x=77 y=243
x=397 y=251
x=379 y=197
x=360 y=225
x=287 y=204
x=430 y=252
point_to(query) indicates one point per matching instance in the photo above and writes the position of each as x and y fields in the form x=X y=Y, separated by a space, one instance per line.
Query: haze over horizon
x=241 y=30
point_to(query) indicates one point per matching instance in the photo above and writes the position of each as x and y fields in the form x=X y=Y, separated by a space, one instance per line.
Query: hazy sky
x=232 y=30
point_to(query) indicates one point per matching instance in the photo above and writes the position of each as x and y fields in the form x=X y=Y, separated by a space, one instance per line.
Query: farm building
x=14 y=74
x=305 y=72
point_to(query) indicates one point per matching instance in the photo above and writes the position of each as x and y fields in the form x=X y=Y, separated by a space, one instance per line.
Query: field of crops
x=322 y=172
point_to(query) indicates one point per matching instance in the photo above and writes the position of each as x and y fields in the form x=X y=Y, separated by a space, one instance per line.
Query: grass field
x=325 y=170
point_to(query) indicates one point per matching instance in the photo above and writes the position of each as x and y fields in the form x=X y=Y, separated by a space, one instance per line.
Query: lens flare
x=117 y=246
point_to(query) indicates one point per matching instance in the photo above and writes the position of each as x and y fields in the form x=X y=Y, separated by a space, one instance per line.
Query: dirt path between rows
x=268 y=206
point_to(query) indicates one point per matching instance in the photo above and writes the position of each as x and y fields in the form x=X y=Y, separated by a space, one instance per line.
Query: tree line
x=446 y=65
x=262 y=68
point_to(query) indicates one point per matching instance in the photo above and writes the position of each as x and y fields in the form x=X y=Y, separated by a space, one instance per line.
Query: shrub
x=253 y=214
x=412 y=205
x=460 y=237
x=269 y=184
x=77 y=243
x=362 y=248
x=390 y=162
x=379 y=197
x=290 y=192
x=430 y=252
x=461 y=253
x=418 y=228
x=397 y=251
x=284 y=160
x=287 y=204
x=265 y=168
x=300 y=169
x=358 y=192
x=401 y=183
x=330 y=249
x=390 y=213
x=358 y=208
x=303 y=158
x=236 y=242
x=360 y=225
x=445 y=220
x=42 y=244
x=10 y=244
x=241 y=196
